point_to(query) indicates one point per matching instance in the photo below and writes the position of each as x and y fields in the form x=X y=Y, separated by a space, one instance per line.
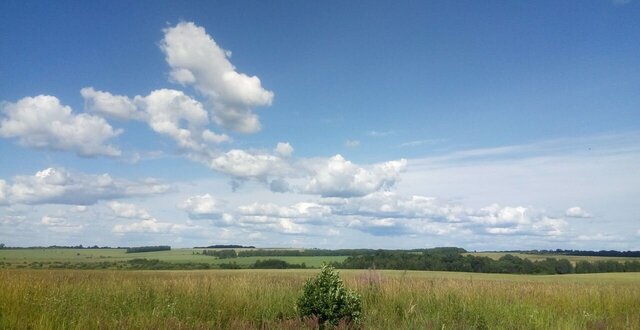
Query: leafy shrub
x=326 y=298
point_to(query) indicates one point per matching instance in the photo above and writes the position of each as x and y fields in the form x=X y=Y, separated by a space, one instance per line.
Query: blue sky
x=333 y=124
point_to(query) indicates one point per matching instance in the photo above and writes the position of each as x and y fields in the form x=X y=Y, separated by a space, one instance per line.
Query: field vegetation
x=252 y=299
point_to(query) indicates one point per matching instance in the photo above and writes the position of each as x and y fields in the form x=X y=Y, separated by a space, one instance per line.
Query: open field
x=188 y=255
x=27 y=256
x=44 y=299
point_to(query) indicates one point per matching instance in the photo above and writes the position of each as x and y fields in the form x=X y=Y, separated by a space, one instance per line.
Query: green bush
x=326 y=298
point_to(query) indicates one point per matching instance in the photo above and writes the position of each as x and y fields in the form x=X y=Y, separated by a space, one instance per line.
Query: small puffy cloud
x=145 y=226
x=59 y=186
x=202 y=207
x=43 y=122
x=143 y=222
x=284 y=149
x=253 y=165
x=128 y=211
x=79 y=209
x=548 y=226
x=12 y=219
x=501 y=217
x=211 y=137
x=105 y=103
x=351 y=143
x=379 y=133
x=60 y=224
x=299 y=211
x=577 y=212
x=196 y=59
x=338 y=177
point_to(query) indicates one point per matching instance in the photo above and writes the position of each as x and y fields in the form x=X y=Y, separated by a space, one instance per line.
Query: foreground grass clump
x=326 y=298
x=255 y=299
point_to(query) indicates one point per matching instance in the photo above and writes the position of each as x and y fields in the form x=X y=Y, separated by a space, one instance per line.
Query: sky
x=337 y=124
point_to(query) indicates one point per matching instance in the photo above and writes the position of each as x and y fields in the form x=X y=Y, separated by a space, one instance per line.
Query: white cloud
x=284 y=149
x=127 y=210
x=418 y=143
x=577 y=212
x=79 y=209
x=167 y=109
x=379 y=133
x=338 y=177
x=12 y=220
x=299 y=212
x=58 y=186
x=43 y=122
x=392 y=205
x=203 y=207
x=351 y=143
x=143 y=226
x=550 y=226
x=108 y=104
x=168 y=112
x=388 y=213
x=243 y=164
x=496 y=216
x=195 y=59
x=60 y=224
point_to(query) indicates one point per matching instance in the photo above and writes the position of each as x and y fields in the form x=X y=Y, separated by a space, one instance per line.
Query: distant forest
x=451 y=259
x=148 y=248
x=586 y=253
x=225 y=246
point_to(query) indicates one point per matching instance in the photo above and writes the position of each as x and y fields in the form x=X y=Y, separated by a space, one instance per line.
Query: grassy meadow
x=17 y=257
x=251 y=299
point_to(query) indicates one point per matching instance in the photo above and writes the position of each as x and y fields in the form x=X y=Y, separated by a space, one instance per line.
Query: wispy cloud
x=351 y=143
x=418 y=143
x=380 y=133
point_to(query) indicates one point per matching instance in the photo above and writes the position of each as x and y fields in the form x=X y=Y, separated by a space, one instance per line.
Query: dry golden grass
x=246 y=299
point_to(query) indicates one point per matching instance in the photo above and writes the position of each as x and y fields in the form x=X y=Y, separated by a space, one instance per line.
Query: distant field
x=253 y=299
x=26 y=256
x=536 y=257
x=21 y=256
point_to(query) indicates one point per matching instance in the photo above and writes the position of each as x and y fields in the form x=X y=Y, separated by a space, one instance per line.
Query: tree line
x=148 y=248
x=225 y=253
x=452 y=260
x=587 y=253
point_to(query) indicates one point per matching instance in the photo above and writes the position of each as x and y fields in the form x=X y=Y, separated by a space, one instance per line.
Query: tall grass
x=68 y=299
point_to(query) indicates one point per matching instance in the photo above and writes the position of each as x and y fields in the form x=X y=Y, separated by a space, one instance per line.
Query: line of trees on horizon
x=156 y=248
x=453 y=260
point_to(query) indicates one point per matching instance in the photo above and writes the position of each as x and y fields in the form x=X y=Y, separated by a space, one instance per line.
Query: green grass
x=247 y=299
x=20 y=256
